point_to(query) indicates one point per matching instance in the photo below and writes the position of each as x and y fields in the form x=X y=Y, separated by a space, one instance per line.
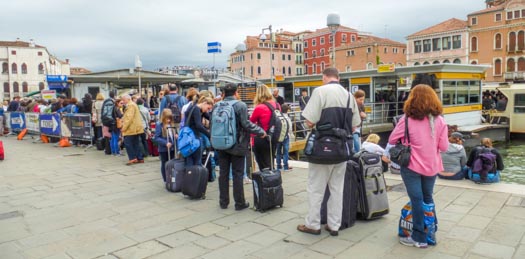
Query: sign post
x=214 y=47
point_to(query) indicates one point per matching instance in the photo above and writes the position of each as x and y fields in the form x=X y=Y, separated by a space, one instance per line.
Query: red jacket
x=262 y=115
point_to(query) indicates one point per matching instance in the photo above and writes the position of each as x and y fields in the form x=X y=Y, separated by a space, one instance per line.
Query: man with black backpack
x=232 y=155
x=173 y=101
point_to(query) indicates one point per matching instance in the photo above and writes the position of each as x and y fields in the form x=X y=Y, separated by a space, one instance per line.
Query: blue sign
x=214 y=47
x=17 y=121
x=56 y=78
x=50 y=124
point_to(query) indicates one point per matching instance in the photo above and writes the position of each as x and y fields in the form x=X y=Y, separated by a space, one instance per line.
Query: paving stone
x=207 y=229
x=453 y=247
x=280 y=249
x=241 y=231
x=182 y=252
x=514 y=201
x=276 y=217
x=474 y=221
x=451 y=216
x=142 y=250
x=440 y=256
x=364 y=249
x=330 y=246
x=42 y=239
x=102 y=248
x=10 y=250
x=464 y=233
x=307 y=253
x=238 y=249
x=212 y=242
x=155 y=231
x=503 y=233
x=266 y=237
x=492 y=250
x=520 y=253
x=179 y=238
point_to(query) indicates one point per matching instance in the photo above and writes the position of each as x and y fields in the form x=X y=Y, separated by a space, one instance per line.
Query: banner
x=79 y=126
x=17 y=121
x=32 y=122
x=50 y=124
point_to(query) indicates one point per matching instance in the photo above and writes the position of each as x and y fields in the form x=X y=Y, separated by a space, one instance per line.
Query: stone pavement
x=67 y=203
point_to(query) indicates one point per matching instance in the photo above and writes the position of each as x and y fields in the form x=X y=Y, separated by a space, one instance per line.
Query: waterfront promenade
x=67 y=203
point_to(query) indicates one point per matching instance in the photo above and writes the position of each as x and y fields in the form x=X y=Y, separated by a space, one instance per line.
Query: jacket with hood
x=454 y=159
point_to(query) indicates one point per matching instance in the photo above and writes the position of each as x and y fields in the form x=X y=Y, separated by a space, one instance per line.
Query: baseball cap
x=457 y=135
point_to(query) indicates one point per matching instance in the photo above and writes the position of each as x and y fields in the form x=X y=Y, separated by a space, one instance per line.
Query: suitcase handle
x=168 y=141
x=379 y=190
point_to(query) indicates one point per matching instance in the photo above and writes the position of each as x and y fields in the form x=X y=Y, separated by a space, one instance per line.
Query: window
x=426 y=63
x=461 y=92
x=368 y=50
x=289 y=57
x=314 y=53
x=456 y=42
x=273 y=56
x=289 y=71
x=322 y=52
x=497 y=17
x=416 y=64
x=497 y=41
x=474 y=62
x=497 y=67
x=435 y=62
x=40 y=53
x=306 y=69
x=519 y=103
x=446 y=61
x=25 y=87
x=24 y=68
x=446 y=43
x=305 y=44
x=314 y=42
x=41 y=86
x=6 y=87
x=322 y=66
x=343 y=39
x=321 y=41
x=474 y=21
x=521 y=64
x=284 y=56
x=394 y=50
x=511 y=65
x=41 y=69
x=251 y=71
x=305 y=55
x=517 y=14
x=259 y=70
x=369 y=65
x=512 y=41
x=417 y=46
x=350 y=53
x=330 y=38
x=258 y=55
x=521 y=40
x=14 y=69
x=385 y=50
x=284 y=70
x=352 y=38
x=251 y=56
x=13 y=52
x=5 y=68
x=348 y=68
x=16 y=88
x=509 y=15
x=474 y=44
x=436 y=44
x=314 y=71
x=426 y=45
x=457 y=61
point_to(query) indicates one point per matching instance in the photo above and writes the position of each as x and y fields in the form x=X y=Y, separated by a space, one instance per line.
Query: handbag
x=187 y=142
x=400 y=154
x=328 y=145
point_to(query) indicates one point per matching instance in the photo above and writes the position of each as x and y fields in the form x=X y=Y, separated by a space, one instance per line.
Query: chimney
x=67 y=60
x=31 y=43
x=17 y=39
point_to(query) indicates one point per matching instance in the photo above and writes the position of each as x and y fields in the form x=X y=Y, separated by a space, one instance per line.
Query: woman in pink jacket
x=428 y=137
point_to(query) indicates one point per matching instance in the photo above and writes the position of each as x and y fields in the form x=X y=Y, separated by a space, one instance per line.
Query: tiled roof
x=79 y=71
x=448 y=25
x=327 y=30
x=17 y=43
x=370 y=40
x=490 y=9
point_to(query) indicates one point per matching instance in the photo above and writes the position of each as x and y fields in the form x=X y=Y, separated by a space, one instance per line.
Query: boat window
x=449 y=93
x=519 y=103
x=462 y=92
x=475 y=88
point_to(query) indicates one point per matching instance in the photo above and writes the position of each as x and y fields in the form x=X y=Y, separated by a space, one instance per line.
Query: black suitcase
x=100 y=143
x=267 y=188
x=350 y=194
x=174 y=174
x=195 y=181
x=107 y=146
x=210 y=165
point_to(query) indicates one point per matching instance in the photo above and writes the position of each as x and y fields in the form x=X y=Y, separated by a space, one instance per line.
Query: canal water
x=513 y=154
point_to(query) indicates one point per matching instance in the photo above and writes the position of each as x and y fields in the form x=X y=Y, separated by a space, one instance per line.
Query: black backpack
x=174 y=107
x=107 y=113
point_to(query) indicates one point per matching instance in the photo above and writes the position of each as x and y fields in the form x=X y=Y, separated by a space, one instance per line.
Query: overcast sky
x=101 y=35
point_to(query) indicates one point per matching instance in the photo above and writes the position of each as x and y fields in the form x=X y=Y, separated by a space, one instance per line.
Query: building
x=497 y=38
x=318 y=47
x=369 y=51
x=79 y=71
x=298 y=47
x=446 y=42
x=25 y=66
x=254 y=63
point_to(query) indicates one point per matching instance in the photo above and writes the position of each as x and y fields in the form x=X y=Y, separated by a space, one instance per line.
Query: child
x=282 y=148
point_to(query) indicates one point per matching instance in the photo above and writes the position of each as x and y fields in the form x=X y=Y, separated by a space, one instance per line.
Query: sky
x=105 y=35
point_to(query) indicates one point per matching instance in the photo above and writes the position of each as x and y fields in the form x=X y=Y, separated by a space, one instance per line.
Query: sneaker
x=247 y=181
x=408 y=241
x=243 y=206
x=288 y=169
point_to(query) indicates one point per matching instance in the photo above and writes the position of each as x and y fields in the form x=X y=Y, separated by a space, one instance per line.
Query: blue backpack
x=187 y=142
x=223 y=125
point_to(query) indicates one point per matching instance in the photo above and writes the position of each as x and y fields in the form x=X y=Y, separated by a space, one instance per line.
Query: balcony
x=514 y=76
x=299 y=62
x=515 y=49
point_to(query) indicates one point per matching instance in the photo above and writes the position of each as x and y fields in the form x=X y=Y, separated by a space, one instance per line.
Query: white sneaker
x=247 y=181
x=408 y=241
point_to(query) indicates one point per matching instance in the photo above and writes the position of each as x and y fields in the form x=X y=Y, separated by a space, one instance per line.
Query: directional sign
x=56 y=78
x=17 y=121
x=214 y=47
x=50 y=124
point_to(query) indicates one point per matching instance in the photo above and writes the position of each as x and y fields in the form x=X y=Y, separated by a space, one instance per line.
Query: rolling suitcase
x=210 y=166
x=372 y=199
x=100 y=143
x=2 y=154
x=174 y=170
x=267 y=188
x=107 y=146
x=195 y=180
x=350 y=193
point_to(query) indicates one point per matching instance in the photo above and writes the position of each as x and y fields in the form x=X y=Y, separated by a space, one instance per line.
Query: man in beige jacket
x=131 y=130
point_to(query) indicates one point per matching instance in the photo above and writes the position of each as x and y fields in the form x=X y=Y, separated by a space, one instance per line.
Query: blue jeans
x=113 y=142
x=357 y=141
x=132 y=144
x=282 y=151
x=419 y=189
x=462 y=174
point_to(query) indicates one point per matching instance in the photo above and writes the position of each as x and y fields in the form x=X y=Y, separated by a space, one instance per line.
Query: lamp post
x=138 y=67
x=333 y=22
x=263 y=38
x=241 y=47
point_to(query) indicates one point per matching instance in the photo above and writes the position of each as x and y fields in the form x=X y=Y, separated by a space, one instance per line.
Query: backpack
x=107 y=113
x=224 y=125
x=187 y=142
x=278 y=129
x=174 y=107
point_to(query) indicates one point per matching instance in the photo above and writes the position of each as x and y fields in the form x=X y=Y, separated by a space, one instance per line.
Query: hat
x=457 y=135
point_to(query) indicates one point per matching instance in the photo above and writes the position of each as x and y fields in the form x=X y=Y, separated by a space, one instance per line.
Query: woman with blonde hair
x=165 y=137
x=97 y=115
x=192 y=96
x=371 y=144
x=193 y=120
x=486 y=146
x=428 y=136
x=262 y=115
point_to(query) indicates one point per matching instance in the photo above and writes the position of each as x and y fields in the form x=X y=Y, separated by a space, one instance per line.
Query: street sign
x=48 y=94
x=214 y=47
x=50 y=124
x=17 y=121
x=279 y=78
x=355 y=88
x=56 y=78
x=386 y=68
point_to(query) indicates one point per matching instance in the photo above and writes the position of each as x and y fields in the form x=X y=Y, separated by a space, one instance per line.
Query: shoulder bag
x=400 y=154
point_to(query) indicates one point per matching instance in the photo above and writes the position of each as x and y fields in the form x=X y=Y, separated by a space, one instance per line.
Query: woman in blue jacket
x=166 y=138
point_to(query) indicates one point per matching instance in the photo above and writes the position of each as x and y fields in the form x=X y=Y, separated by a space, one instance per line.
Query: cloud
x=101 y=35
